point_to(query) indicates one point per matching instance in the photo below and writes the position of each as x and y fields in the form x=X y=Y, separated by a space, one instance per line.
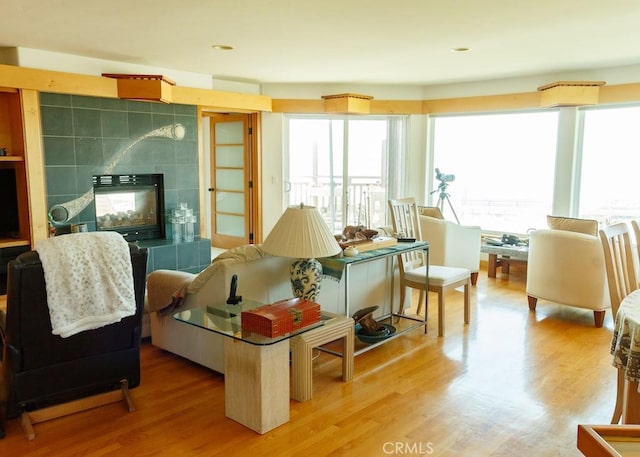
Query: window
x=503 y=166
x=344 y=166
x=610 y=164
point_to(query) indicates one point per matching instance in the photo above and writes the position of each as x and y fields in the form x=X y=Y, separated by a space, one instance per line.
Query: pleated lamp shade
x=301 y=233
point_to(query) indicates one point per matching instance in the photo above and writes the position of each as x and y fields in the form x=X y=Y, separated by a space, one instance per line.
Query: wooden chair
x=621 y=276
x=635 y=224
x=413 y=268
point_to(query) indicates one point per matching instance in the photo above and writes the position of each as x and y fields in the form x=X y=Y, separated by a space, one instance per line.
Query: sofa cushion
x=431 y=211
x=246 y=253
x=571 y=224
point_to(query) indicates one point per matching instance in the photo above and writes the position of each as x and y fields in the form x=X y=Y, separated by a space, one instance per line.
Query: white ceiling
x=336 y=41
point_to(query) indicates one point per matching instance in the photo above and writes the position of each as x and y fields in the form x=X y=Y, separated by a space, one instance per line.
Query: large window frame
x=492 y=154
x=607 y=163
x=333 y=184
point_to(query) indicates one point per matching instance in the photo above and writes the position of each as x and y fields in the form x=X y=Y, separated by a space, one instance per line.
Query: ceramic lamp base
x=306 y=276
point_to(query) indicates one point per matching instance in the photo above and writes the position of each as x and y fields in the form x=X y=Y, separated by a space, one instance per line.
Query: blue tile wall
x=85 y=136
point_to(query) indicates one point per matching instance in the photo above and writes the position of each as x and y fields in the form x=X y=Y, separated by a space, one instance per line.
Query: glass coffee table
x=504 y=256
x=256 y=367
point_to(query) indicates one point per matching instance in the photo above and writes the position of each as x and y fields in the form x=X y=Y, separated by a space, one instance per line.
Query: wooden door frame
x=254 y=164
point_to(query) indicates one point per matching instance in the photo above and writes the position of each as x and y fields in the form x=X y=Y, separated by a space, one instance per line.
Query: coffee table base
x=256 y=384
x=502 y=262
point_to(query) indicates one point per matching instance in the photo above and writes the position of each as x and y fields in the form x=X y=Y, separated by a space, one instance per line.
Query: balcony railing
x=366 y=199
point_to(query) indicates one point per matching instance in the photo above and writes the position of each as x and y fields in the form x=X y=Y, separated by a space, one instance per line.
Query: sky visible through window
x=610 y=165
x=503 y=166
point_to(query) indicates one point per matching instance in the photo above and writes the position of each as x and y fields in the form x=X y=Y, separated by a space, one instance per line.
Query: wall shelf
x=11 y=159
x=12 y=243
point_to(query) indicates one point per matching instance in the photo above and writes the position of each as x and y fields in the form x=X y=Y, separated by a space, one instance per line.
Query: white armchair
x=567 y=267
x=452 y=245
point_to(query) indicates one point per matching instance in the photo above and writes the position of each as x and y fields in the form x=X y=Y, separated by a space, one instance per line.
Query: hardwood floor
x=511 y=383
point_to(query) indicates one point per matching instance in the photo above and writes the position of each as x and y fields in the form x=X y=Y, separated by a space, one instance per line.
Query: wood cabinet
x=21 y=141
x=12 y=143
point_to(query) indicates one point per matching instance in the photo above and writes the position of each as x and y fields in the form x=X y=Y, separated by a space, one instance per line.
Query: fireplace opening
x=132 y=205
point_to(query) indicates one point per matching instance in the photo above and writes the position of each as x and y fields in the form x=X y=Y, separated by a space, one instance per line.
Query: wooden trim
x=527 y=100
x=297 y=106
x=215 y=100
x=27 y=419
x=202 y=184
x=622 y=93
x=98 y=86
x=34 y=165
x=255 y=144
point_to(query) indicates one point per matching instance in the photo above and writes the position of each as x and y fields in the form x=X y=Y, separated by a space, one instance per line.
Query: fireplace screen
x=132 y=205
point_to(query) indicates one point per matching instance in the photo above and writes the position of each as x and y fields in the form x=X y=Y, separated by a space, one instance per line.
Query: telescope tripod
x=444 y=196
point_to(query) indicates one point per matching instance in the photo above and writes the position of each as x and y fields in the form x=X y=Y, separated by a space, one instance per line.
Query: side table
x=255 y=366
x=302 y=345
x=503 y=256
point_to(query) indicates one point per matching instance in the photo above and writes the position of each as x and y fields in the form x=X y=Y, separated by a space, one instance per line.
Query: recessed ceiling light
x=222 y=47
x=462 y=49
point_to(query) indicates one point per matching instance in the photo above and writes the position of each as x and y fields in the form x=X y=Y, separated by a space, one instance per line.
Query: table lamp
x=301 y=233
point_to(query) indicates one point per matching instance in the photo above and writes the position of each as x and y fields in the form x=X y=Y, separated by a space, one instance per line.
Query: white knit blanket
x=89 y=280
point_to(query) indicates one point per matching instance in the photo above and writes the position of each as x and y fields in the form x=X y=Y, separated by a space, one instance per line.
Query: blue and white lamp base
x=306 y=276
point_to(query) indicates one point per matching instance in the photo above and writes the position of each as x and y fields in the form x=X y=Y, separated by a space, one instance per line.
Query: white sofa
x=567 y=267
x=262 y=278
x=451 y=244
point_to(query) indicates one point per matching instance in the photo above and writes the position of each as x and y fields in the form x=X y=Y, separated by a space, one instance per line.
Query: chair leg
x=440 y=312
x=420 y=301
x=617 y=410
x=598 y=318
x=467 y=310
x=403 y=293
x=474 y=278
x=533 y=301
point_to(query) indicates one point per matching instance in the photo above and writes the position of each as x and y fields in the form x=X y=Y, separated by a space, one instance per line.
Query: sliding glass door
x=345 y=166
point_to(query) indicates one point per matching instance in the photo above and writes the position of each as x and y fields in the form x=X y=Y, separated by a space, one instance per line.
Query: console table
x=340 y=268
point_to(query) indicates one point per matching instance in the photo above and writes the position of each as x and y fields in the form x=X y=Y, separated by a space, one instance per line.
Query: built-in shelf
x=11 y=159
x=12 y=243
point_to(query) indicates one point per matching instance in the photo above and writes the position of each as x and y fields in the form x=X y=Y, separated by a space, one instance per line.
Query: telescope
x=442 y=189
x=444 y=178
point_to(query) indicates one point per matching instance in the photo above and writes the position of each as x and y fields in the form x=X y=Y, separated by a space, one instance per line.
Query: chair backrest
x=404 y=218
x=89 y=361
x=618 y=257
x=635 y=224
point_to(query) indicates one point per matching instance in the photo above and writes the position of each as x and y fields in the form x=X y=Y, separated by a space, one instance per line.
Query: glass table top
x=225 y=319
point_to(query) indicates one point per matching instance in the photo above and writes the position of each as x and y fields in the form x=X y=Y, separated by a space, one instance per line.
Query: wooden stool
x=302 y=346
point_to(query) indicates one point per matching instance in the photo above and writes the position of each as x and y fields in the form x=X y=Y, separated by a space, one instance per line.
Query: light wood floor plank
x=511 y=383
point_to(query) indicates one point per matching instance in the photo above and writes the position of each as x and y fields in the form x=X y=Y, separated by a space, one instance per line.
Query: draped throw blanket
x=89 y=280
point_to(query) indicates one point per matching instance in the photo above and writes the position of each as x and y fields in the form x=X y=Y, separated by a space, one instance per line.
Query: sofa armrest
x=163 y=286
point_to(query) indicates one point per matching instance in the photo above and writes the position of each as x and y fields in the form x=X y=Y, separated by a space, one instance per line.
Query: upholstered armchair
x=566 y=265
x=52 y=371
x=451 y=244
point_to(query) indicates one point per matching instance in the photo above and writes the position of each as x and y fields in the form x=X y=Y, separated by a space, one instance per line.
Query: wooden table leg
x=491 y=268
